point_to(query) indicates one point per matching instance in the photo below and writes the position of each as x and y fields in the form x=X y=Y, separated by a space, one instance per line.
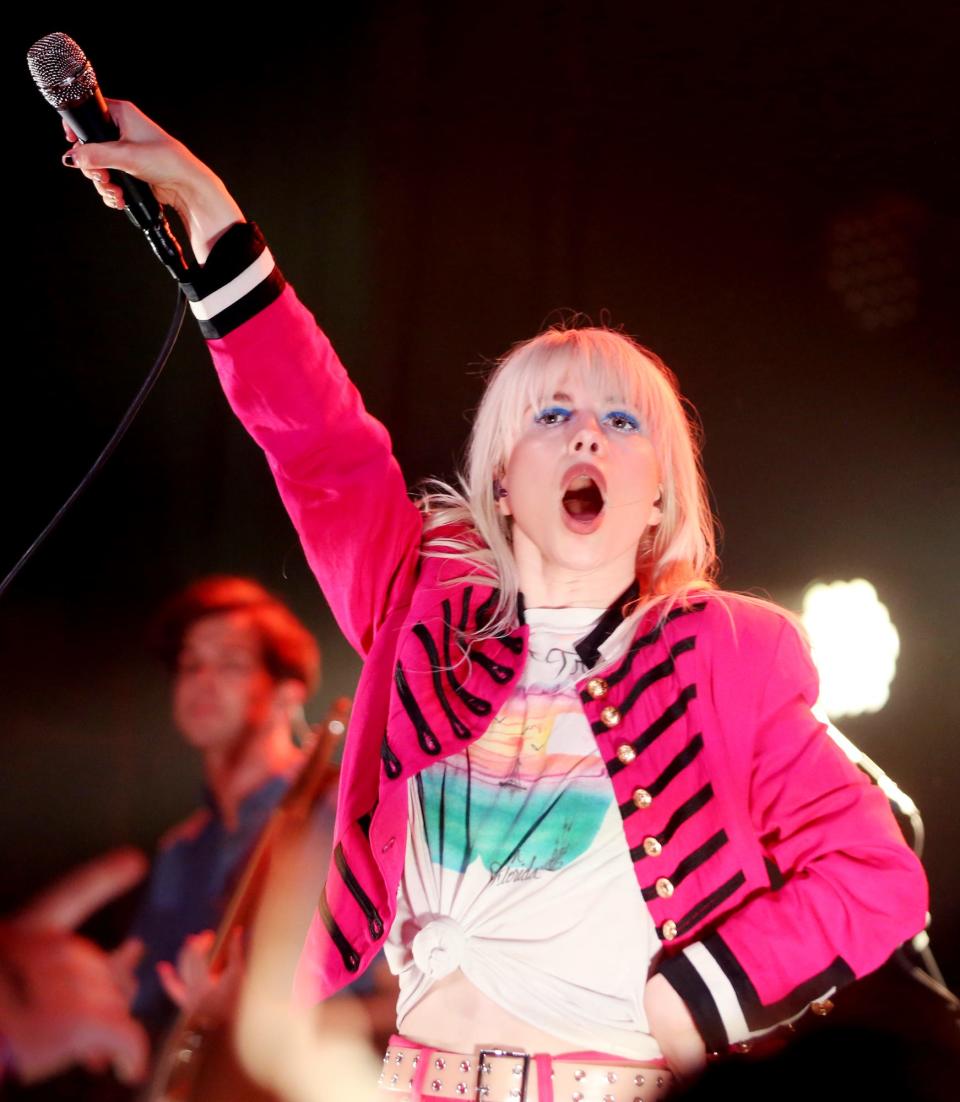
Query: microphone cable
x=176 y=323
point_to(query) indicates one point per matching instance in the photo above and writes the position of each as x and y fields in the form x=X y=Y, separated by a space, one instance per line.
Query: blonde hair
x=674 y=558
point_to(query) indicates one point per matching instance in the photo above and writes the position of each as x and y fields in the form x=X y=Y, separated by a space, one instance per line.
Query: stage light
x=872 y=260
x=855 y=646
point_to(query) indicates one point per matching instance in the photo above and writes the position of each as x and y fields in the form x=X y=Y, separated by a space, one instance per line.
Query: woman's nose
x=588 y=437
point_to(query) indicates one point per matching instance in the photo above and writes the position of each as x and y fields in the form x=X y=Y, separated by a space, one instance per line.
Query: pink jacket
x=774 y=871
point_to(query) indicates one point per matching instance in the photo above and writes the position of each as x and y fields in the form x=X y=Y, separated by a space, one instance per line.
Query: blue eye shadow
x=561 y=413
x=632 y=422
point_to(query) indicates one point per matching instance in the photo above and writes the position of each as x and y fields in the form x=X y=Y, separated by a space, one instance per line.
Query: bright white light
x=855 y=646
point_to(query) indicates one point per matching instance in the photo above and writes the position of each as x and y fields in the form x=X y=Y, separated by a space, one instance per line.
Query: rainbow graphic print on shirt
x=531 y=795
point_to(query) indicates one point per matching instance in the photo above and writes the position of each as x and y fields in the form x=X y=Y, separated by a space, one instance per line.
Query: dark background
x=437 y=181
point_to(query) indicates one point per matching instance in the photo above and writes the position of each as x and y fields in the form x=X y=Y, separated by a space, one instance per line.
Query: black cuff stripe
x=759 y=1016
x=232 y=254
x=689 y=985
x=244 y=309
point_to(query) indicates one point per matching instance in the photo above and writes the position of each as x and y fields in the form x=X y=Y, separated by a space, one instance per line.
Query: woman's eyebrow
x=610 y=399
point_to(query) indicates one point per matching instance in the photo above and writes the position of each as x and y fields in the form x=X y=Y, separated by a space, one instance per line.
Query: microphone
x=67 y=82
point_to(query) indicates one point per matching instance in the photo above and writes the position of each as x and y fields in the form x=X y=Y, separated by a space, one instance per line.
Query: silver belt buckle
x=521 y=1070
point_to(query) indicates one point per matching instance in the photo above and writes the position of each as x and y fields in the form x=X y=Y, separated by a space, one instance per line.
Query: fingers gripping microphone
x=68 y=83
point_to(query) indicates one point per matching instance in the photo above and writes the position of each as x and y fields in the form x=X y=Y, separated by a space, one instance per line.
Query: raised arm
x=331 y=460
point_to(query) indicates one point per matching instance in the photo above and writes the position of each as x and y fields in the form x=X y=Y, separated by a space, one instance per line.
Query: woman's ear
x=501 y=497
x=656 y=510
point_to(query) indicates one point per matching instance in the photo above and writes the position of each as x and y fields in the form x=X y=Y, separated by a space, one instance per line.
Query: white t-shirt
x=517 y=870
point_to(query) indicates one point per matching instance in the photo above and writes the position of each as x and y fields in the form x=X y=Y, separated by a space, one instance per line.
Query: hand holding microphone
x=178 y=178
x=125 y=154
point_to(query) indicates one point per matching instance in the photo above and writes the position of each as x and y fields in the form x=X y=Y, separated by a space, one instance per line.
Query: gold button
x=742 y=1046
x=626 y=753
x=610 y=717
x=664 y=888
x=597 y=687
x=651 y=847
x=641 y=798
x=822 y=1008
x=669 y=930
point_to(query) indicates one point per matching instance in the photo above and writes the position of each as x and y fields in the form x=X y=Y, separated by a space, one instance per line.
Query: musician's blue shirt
x=197 y=866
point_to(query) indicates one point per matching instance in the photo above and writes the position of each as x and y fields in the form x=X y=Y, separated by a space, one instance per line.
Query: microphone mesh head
x=61 y=71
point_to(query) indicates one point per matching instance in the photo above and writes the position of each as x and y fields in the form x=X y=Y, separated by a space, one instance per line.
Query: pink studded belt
x=418 y=1073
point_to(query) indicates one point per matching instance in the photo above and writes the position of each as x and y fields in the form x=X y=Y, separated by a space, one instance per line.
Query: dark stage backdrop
x=721 y=181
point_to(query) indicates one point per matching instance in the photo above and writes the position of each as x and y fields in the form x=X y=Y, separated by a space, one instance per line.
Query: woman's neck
x=546 y=584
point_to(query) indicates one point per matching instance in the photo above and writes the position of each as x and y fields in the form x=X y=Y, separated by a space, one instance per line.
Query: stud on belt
x=503 y=1075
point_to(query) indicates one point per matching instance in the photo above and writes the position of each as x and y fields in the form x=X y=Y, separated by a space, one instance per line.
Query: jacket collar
x=588 y=648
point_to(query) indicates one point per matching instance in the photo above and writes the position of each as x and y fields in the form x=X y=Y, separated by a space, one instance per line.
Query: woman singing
x=584 y=802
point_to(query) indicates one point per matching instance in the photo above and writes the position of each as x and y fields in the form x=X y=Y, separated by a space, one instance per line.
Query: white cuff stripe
x=721 y=989
x=235 y=290
x=725 y=996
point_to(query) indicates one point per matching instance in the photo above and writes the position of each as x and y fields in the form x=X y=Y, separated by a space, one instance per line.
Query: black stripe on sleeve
x=760 y=1016
x=244 y=309
x=234 y=252
x=689 y=985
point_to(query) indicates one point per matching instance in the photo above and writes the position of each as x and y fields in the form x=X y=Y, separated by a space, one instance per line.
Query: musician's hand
x=63 y=1000
x=203 y=994
x=178 y=178
x=671 y=1025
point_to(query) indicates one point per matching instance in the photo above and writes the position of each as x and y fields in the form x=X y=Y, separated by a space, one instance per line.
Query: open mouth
x=583 y=499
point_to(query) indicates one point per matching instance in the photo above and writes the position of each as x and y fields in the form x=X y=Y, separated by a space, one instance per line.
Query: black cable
x=176 y=322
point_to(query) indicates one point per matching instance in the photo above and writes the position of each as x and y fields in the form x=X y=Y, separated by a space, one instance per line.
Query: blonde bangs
x=679 y=555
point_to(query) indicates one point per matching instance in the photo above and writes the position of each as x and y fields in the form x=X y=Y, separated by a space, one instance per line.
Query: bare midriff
x=456 y=1017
